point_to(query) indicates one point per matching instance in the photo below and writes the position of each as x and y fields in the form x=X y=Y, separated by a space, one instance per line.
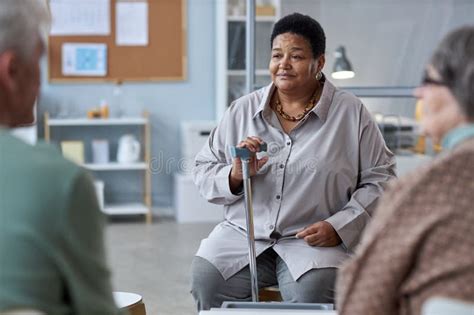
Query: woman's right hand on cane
x=235 y=178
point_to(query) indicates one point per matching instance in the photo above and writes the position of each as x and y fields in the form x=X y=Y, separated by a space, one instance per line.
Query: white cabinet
x=190 y=206
x=143 y=165
x=230 y=44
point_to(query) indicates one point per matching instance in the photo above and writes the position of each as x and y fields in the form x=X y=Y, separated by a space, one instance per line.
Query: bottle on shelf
x=104 y=109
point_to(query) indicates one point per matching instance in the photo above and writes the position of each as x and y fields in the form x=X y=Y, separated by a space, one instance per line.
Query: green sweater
x=51 y=234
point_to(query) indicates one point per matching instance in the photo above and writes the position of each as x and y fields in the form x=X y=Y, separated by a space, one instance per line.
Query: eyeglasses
x=426 y=80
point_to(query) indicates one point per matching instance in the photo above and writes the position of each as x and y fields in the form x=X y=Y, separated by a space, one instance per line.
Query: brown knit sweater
x=420 y=243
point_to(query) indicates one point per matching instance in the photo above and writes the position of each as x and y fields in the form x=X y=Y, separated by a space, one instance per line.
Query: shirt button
x=271 y=227
x=278 y=197
x=288 y=143
x=282 y=165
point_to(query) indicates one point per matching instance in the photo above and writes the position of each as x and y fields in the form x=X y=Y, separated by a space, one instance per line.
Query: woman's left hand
x=320 y=234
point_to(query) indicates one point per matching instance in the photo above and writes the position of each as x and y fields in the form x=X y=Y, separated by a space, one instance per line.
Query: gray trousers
x=209 y=288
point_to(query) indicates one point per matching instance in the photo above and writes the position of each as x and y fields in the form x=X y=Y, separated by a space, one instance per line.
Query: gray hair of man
x=454 y=61
x=22 y=23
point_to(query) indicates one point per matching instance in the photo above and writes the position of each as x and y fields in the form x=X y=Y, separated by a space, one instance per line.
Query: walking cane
x=244 y=154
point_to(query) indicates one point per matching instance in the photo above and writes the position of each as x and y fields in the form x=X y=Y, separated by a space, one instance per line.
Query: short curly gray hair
x=21 y=22
x=454 y=61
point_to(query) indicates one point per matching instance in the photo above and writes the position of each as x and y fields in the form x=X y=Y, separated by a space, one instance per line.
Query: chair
x=269 y=294
x=445 y=306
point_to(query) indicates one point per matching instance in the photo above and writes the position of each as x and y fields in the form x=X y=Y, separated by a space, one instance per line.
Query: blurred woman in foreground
x=421 y=242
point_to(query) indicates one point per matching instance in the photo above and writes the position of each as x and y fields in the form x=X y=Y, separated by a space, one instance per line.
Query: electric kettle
x=128 y=149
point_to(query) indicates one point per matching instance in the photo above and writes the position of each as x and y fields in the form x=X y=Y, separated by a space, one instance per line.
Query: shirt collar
x=321 y=109
x=458 y=135
x=265 y=102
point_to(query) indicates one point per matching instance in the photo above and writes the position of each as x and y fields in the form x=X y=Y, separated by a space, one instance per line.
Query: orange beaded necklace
x=314 y=99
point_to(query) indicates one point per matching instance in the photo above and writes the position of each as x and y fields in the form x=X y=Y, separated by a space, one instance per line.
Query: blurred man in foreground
x=51 y=242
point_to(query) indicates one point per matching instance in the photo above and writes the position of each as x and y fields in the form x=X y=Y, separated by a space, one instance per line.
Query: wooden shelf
x=115 y=166
x=97 y=122
x=143 y=124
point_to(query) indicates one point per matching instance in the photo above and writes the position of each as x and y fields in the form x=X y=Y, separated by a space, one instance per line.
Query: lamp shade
x=342 y=68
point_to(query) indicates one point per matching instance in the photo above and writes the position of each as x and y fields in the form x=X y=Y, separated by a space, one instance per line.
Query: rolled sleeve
x=212 y=180
x=213 y=166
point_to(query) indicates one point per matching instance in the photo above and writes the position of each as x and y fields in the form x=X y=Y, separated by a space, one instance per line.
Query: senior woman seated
x=421 y=241
x=314 y=192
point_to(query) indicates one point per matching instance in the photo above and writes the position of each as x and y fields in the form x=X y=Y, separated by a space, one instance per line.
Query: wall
x=387 y=41
x=169 y=103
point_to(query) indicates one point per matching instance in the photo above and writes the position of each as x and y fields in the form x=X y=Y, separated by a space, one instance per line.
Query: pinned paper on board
x=79 y=59
x=131 y=21
x=80 y=17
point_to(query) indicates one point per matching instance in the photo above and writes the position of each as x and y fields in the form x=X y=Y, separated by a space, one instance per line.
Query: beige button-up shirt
x=333 y=166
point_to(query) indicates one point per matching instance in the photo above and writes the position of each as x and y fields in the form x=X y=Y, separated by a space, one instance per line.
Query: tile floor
x=154 y=261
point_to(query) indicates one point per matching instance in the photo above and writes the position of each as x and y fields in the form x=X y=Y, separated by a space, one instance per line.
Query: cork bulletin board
x=163 y=59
